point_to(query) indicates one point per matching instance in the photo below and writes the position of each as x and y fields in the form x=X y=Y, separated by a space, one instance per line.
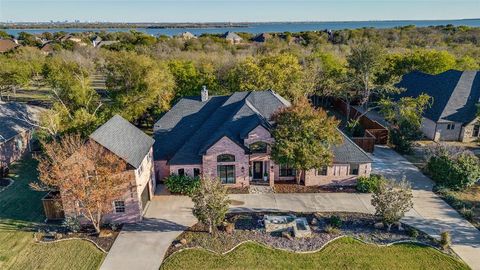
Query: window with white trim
x=119 y=206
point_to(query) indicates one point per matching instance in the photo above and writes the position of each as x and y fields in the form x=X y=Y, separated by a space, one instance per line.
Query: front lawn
x=20 y=214
x=345 y=253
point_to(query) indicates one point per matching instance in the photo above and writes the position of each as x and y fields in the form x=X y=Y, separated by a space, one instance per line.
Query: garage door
x=145 y=196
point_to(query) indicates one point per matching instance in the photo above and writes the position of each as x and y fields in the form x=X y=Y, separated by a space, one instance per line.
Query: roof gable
x=11 y=115
x=455 y=93
x=124 y=140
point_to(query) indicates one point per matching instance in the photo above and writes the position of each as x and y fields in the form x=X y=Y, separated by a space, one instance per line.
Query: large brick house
x=228 y=137
x=135 y=148
x=453 y=114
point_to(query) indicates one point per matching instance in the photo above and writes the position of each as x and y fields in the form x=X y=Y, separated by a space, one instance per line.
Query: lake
x=256 y=28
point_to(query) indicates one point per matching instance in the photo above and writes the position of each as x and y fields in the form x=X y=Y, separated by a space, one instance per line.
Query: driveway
x=430 y=213
x=143 y=246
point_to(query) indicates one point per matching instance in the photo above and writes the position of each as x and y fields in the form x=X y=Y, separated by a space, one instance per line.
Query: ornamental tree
x=210 y=203
x=88 y=176
x=392 y=200
x=304 y=137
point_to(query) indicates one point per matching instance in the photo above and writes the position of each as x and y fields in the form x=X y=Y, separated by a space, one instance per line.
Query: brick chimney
x=204 y=93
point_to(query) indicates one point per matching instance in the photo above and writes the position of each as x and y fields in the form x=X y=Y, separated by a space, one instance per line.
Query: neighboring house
x=106 y=43
x=73 y=39
x=186 y=35
x=227 y=137
x=16 y=127
x=232 y=38
x=96 y=40
x=453 y=114
x=263 y=37
x=7 y=45
x=47 y=48
x=135 y=148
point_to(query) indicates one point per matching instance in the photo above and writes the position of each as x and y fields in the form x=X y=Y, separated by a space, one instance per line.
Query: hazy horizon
x=201 y=11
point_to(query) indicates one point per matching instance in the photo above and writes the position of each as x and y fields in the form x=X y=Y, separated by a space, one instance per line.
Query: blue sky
x=236 y=10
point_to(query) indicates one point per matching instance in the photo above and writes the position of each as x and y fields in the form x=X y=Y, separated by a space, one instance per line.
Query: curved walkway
x=143 y=246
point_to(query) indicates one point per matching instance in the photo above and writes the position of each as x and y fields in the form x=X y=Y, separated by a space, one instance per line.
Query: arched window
x=258 y=147
x=225 y=158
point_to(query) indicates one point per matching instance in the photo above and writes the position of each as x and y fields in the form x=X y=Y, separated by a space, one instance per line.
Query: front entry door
x=257 y=170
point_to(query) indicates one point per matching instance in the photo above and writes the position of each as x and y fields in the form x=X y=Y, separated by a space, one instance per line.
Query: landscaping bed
x=466 y=202
x=104 y=241
x=249 y=227
x=288 y=187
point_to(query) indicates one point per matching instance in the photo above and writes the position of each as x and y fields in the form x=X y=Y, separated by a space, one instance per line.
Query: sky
x=235 y=10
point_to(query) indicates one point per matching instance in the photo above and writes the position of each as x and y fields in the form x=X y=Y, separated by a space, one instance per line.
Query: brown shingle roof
x=7 y=45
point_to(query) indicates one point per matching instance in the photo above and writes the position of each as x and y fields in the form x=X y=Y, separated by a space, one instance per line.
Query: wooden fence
x=375 y=133
x=52 y=206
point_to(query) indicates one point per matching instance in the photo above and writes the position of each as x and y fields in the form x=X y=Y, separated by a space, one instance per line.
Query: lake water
x=256 y=28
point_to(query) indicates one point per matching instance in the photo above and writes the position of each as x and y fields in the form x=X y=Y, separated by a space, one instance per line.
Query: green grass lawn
x=345 y=253
x=20 y=209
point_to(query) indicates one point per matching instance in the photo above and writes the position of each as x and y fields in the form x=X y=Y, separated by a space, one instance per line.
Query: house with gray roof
x=232 y=38
x=455 y=95
x=229 y=137
x=17 y=124
x=134 y=147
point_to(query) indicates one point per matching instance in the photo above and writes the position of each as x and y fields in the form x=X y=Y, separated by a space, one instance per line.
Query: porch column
x=271 y=174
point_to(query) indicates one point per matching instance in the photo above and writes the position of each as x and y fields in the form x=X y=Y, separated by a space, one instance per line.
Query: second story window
x=225 y=158
x=258 y=147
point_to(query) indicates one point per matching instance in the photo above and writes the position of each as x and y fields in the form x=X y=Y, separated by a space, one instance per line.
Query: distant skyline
x=235 y=10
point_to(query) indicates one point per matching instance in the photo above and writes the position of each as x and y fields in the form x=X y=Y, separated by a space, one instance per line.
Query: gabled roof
x=124 y=140
x=455 y=94
x=16 y=118
x=191 y=127
x=262 y=37
x=7 y=45
x=232 y=36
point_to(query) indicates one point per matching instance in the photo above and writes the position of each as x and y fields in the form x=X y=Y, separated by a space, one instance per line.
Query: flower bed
x=249 y=227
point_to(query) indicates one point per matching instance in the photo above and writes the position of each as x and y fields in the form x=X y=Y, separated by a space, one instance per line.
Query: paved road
x=143 y=246
x=430 y=213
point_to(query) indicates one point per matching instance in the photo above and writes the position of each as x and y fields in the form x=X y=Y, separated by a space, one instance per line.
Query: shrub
x=332 y=230
x=457 y=172
x=182 y=184
x=467 y=213
x=72 y=224
x=445 y=240
x=412 y=232
x=392 y=200
x=368 y=184
x=335 y=221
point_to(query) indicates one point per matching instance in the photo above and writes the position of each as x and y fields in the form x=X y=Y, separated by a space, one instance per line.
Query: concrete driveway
x=430 y=213
x=143 y=246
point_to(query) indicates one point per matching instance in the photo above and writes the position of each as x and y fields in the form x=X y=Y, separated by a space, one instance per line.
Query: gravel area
x=249 y=227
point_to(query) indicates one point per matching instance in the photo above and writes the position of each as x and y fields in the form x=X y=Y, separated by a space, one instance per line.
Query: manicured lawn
x=20 y=210
x=345 y=253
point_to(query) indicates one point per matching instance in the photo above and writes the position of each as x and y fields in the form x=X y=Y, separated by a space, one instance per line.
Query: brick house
x=16 y=128
x=228 y=137
x=135 y=148
x=453 y=114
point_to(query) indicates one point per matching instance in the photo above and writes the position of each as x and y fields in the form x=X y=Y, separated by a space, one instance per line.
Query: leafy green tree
x=28 y=39
x=281 y=73
x=406 y=117
x=392 y=200
x=304 y=137
x=76 y=104
x=365 y=61
x=136 y=83
x=187 y=78
x=14 y=74
x=210 y=203
x=4 y=35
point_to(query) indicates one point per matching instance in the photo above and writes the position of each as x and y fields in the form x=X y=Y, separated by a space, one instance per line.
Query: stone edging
x=305 y=252
x=5 y=187
x=67 y=239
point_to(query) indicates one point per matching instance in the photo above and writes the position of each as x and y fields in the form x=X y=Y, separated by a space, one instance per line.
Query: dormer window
x=225 y=158
x=258 y=147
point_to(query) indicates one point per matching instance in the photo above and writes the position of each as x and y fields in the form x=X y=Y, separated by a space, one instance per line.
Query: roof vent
x=204 y=94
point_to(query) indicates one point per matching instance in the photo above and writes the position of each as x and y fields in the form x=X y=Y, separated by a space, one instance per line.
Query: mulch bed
x=249 y=227
x=105 y=241
x=281 y=187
